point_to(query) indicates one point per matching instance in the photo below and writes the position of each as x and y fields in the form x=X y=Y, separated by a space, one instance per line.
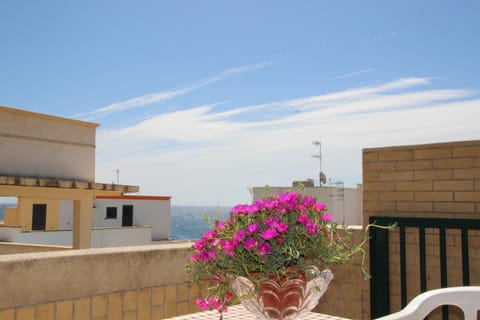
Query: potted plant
x=272 y=242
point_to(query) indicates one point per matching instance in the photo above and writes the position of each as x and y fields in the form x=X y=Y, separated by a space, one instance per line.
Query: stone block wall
x=127 y=283
x=142 y=282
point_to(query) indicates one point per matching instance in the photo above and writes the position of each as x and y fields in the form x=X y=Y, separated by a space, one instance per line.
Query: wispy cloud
x=385 y=36
x=353 y=74
x=202 y=123
x=178 y=152
x=169 y=94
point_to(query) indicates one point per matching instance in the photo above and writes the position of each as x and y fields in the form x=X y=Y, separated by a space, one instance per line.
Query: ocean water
x=187 y=222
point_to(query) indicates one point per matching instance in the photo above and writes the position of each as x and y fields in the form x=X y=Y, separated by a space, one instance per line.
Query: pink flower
x=281 y=227
x=319 y=206
x=199 y=245
x=228 y=247
x=271 y=204
x=220 y=225
x=194 y=258
x=254 y=208
x=269 y=234
x=215 y=303
x=264 y=249
x=239 y=236
x=327 y=217
x=209 y=235
x=252 y=228
x=303 y=218
x=271 y=222
x=212 y=255
x=250 y=244
x=240 y=209
x=202 y=304
x=308 y=201
x=312 y=228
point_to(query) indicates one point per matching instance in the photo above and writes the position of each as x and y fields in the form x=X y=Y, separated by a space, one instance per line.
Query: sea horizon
x=187 y=222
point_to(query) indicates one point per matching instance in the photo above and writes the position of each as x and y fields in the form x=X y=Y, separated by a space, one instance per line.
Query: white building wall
x=119 y=237
x=151 y=221
x=100 y=213
x=346 y=209
x=154 y=213
x=101 y=237
x=66 y=215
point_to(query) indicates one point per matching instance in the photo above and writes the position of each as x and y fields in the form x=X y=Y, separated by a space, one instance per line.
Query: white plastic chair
x=466 y=298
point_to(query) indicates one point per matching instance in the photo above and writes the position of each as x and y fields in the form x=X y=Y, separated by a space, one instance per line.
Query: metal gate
x=438 y=231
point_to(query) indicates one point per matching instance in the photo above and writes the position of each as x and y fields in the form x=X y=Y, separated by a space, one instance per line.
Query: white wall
x=154 y=213
x=119 y=237
x=100 y=214
x=66 y=215
x=101 y=237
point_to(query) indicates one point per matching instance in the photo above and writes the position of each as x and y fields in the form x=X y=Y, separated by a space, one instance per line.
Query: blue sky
x=202 y=100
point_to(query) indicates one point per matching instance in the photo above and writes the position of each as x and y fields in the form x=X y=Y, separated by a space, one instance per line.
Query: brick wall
x=439 y=180
x=348 y=294
x=153 y=303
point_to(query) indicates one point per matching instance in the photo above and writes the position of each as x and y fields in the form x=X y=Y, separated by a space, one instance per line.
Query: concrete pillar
x=82 y=223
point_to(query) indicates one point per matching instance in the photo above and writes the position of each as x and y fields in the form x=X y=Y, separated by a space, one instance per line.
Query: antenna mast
x=321 y=175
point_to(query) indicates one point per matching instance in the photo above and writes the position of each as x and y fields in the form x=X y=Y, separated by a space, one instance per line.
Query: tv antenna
x=322 y=178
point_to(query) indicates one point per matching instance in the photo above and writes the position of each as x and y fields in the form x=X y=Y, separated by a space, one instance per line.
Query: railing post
x=379 y=286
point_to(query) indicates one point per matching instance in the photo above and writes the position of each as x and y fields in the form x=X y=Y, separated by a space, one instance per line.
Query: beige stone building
x=46 y=159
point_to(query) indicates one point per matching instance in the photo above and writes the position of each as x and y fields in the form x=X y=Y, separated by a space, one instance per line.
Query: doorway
x=127 y=216
x=39 y=216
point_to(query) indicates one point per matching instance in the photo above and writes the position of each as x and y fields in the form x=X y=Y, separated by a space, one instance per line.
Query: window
x=111 y=213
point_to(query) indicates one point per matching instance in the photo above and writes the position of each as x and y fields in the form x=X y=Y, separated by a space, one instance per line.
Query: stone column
x=82 y=223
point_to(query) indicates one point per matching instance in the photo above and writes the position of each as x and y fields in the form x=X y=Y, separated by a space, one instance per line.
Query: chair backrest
x=466 y=298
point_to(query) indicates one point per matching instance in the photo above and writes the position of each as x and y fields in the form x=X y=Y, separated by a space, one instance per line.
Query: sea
x=186 y=222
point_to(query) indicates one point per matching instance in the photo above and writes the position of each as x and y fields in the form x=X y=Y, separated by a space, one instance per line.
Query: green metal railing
x=379 y=257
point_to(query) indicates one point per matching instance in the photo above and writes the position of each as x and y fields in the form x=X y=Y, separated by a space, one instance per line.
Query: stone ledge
x=65 y=184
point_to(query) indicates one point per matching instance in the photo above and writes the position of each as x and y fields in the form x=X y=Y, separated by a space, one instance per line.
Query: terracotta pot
x=284 y=300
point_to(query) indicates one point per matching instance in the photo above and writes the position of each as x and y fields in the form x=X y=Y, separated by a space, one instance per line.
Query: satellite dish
x=323 y=178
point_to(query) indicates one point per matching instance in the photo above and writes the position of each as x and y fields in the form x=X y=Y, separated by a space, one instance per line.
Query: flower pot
x=283 y=300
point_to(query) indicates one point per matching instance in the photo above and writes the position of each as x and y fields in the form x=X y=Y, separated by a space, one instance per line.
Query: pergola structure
x=81 y=193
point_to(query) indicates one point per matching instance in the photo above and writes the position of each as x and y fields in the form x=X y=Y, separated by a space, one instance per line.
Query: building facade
x=345 y=204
